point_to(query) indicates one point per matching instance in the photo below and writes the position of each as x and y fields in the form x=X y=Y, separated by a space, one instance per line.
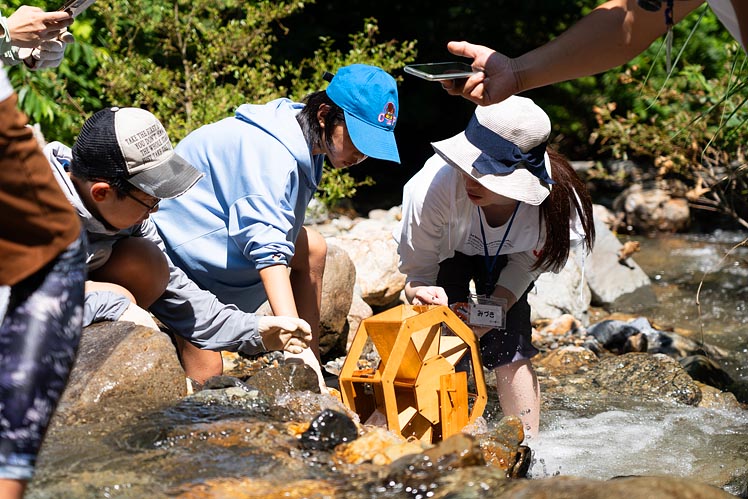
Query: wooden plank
x=452 y=348
x=383 y=335
x=453 y=394
x=427 y=386
x=426 y=341
x=418 y=427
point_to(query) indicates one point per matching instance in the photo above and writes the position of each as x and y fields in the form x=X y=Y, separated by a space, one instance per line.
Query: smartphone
x=436 y=71
x=76 y=7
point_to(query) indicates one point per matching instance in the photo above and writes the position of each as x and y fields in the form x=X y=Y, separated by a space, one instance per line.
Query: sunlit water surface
x=664 y=439
x=604 y=441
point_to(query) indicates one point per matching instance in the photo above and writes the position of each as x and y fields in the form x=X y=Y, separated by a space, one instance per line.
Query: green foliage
x=60 y=99
x=690 y=126
x=194 y=62
x=337 y=185
x=306 y=76
x=191 y=62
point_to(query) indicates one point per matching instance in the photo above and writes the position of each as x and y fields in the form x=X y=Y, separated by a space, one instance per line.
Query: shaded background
x=428 y=113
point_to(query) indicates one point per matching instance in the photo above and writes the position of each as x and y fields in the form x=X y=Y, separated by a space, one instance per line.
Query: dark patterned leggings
x=39 y=338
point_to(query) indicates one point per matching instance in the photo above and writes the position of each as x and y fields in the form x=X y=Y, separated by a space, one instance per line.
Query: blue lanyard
x=491 y=262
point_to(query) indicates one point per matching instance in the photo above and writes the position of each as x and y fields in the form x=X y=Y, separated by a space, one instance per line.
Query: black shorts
x=497 y=347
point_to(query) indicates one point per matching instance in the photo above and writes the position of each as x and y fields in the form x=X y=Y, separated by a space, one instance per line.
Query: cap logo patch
x=388 y=116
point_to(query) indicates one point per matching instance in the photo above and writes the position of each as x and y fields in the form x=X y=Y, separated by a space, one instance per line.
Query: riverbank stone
x=119 y=363
x=645 y=376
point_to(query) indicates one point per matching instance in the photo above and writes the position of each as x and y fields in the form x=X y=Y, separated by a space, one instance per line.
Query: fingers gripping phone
x=75 y=7
x=438 y=71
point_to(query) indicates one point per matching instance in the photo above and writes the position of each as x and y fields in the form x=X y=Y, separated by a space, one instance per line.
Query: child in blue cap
x=239 y=233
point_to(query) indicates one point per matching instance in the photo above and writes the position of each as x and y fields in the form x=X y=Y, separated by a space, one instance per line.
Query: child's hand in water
x=284 y=333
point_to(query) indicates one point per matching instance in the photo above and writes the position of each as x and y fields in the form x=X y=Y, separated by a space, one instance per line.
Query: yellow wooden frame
x=415 y=385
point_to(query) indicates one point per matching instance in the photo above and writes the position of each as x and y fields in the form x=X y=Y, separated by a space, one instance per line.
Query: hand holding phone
x=440 y=71
x=75 y=7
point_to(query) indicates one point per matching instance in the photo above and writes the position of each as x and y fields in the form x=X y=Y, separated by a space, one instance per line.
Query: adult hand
x=29 y=26
x=48 y=54
x=284 y=333
x=496 y=81
x=429 y=295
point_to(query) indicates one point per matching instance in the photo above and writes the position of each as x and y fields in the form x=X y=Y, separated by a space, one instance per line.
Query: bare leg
x=519 y=395
x=307 y=269
x=11 y=489
x=139 y=266
x=198 y=364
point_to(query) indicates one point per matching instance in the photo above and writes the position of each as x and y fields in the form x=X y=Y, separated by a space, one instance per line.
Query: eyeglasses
x=143 y=203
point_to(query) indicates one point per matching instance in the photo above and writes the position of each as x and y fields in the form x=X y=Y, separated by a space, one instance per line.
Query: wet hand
x=284 y=333
x=29 y=26
x=496 y=81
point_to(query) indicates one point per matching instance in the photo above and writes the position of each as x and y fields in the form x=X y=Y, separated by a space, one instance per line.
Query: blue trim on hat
x=501 y=156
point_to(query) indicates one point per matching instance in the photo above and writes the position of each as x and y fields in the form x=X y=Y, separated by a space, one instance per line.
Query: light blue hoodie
x=248 y=210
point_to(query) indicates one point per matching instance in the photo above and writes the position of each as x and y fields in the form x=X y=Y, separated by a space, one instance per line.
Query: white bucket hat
x=504 y=149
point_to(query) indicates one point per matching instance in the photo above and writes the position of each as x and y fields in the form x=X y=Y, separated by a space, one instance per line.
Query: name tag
x=487 y=312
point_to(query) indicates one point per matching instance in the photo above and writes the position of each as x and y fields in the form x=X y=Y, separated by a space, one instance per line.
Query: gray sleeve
x=8 y=53
x=103 y=306
x=198 y=316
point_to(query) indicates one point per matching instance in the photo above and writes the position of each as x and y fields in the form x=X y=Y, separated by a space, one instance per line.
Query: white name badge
x=487 y=312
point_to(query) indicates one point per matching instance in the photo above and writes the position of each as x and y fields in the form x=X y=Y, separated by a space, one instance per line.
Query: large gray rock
x=337 y=296
x=564 y=293
x=121 y=370
x=359 y=311
x=609 y=278
x=374 y=253
x=650 y=211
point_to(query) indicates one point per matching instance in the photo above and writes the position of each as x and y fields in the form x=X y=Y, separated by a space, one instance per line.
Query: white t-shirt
x=523 y=236
x=439 y=219
x=5 y=89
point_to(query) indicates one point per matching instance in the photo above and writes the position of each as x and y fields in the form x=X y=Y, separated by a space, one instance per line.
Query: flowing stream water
x=601 y=440
x=663 y=439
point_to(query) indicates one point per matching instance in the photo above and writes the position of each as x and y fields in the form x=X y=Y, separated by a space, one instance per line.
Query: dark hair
x=307 y=118
x=120 y=185
x=556 y=212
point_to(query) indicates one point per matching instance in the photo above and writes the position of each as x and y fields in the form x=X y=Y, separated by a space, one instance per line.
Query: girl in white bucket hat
x=494 y=206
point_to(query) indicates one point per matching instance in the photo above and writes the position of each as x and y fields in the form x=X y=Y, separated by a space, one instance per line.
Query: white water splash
x=673 y=441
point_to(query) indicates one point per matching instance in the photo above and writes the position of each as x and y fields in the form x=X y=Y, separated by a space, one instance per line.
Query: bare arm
x=610 y=35
x=277 y=285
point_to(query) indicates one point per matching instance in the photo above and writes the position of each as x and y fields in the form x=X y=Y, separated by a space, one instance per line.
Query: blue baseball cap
x=368 y=97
